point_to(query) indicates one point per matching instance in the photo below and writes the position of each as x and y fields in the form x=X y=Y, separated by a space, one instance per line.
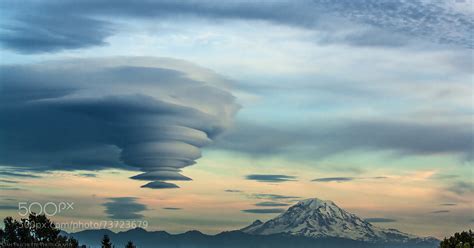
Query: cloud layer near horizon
x=145 y=114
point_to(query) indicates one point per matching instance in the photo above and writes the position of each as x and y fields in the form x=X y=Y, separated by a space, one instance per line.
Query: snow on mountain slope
x=316 y=218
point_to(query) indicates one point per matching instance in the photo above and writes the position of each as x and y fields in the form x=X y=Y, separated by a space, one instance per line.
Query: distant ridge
x=310 y=223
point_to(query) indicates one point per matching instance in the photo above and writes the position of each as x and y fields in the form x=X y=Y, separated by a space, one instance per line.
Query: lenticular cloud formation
x=145 y=114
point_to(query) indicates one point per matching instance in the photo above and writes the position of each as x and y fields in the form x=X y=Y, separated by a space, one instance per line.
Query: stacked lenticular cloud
x=149 y=114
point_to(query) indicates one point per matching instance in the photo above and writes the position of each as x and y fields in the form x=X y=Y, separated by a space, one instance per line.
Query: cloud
x=171 y=208
x=333 y=179
x=160 y=185
x=124 y=208
x=233 y=191
x=271 y=204
x=461 y=187
x=270 y=178
x=15 y=174
x=380 y=220
x=87 y=175
x=9 y=188
x=135 y=113
x=440 y=212
x=324 y=139
x=7 y=181
x=45 y=33
x=274 y=197
x=448 y=204
x=73 y=24
x=8 y=207
x=264 y=210
x=346 y=179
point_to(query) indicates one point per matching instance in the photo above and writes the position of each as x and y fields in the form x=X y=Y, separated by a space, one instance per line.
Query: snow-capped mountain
x=316 y=218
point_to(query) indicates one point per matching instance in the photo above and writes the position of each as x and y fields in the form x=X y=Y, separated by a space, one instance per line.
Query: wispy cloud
x=346 y=179
x=87 y=175
x=380 y=220
x=440 y=212
x=274 y=197
x=16 y=174
x=269 y=178
x=461 y=187
x=402 y=137
x=271 y=204
x=448 y=204
x=334 y=179
x=26 y=28
x=233 y=191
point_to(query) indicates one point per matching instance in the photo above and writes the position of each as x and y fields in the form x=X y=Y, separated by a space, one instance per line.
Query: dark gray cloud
x=380 y=220
x=271 y=204
x=124 y=208
x=333 y=179
x=274 y=197
x=146 y=114
x=76 y=24
x=440 y=212
x=160 y=185
x=270 y=178
x=16 y=174
x=233 y=191
x=7 y=181
x=171 y=208
x=264 y=210
x=346 y=179
x=448 y=204
x=323 y=139
x=45 y=33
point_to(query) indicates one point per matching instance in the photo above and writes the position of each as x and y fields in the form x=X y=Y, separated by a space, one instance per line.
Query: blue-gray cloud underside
x=461 y=187
x=270 y=178
x=319 y=139
x=172 y=208
x=387 y=23
x=8 y=207
x=16 y=174
x=380 y=220
x=124 y=208
x=271 y=204
x=274 y=197
x=129 y=113
x=264 y=210
x=440 y=212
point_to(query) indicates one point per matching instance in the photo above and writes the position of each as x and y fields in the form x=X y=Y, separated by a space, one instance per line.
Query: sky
x=208 y=115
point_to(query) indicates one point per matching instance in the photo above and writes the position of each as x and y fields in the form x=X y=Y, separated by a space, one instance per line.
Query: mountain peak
x=318 y=218
x=315 y=203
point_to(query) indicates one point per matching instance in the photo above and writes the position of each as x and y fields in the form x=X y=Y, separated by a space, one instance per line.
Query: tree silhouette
x=130 y=245
x=35 y=231
x=106 y=242
x=459 y=240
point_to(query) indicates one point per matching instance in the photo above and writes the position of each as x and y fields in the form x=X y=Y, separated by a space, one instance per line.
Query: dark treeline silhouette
x=39 y=231
x=459 y=240
x=34 y=231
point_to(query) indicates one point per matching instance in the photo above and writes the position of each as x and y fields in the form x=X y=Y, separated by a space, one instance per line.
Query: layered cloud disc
x=145 y=114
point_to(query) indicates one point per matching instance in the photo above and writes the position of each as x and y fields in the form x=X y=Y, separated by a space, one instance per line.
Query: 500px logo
x=48 y=208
